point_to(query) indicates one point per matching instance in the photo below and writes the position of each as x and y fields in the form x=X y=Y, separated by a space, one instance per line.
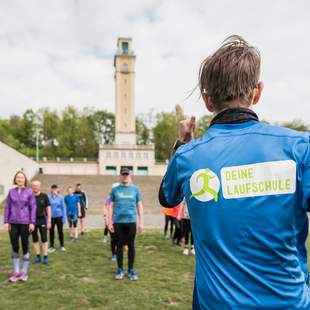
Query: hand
x=179 y=217
x=6 y=227
x=187 y=129
x=80 y=215
x=111 y=227
x=31 y=227
x=140 y=228
x=49 y=225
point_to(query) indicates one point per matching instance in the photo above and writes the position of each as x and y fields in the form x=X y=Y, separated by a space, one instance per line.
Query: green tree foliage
x=297 y=125
x=165 y=132
x=203 y=124
x=143 y=132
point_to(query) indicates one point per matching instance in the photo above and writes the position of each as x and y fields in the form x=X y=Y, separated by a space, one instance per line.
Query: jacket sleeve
x=32 y=209
x=306 y=180
x=7 y=209
x=64 y=219
x=170 y=194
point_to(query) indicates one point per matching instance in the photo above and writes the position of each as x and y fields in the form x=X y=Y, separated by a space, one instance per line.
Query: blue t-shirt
x=72 y=204
x=125 y=199
x=247 y=188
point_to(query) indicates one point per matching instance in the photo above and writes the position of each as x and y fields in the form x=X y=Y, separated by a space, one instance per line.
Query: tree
x=298 y=125
x=165 y=132
x=143 y=133
x=202 y=125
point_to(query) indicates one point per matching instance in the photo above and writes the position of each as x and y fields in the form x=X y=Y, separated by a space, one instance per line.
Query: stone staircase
x=98 y=187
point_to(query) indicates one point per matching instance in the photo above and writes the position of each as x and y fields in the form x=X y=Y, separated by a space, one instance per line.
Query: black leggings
x=22 y=231
x=113 y=243
x=168 y=219
x=187 y=230
x=58 y=222
x=43 y=233
x=177 y=236
x=125 y=233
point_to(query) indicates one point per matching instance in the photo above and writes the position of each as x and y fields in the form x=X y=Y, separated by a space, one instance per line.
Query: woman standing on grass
x=19 y=221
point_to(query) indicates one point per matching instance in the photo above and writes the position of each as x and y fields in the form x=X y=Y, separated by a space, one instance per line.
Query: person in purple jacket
x=19 y=221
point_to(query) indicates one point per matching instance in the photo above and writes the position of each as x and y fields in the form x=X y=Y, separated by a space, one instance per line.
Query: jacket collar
x=235 y=116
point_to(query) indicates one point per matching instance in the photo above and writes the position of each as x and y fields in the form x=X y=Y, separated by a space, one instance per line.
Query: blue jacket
x=247 y=187
x=57 y=206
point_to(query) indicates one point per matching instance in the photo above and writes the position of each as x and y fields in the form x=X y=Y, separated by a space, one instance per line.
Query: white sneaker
x=63 y=249
x=51 y=250
x=186 y=251
x=193 y=251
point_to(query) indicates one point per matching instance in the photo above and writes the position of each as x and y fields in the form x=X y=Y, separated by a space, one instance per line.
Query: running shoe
x=186 y=251
x=23 y=276
x=45 y=260
x=193 y=251
x=114 y=258
x=37 y=260
x=51 y=250
x=132 y=275
x=14 y=277
x=119 y=274
x=63 y=249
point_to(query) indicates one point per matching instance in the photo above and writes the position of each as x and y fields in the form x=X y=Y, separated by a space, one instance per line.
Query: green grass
x=83 y=278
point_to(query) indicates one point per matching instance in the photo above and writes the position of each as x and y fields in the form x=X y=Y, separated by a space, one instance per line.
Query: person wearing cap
x=124 y=211
x=247 y=188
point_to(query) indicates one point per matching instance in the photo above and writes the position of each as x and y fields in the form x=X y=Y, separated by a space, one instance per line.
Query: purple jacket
x=20 y=208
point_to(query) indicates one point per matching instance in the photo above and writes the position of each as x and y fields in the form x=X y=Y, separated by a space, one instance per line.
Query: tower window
x=125 y=47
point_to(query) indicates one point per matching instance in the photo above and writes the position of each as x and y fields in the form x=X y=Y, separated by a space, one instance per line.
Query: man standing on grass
x=84 y=205
x=247 y=187
x=43 y=222
x=126 y=203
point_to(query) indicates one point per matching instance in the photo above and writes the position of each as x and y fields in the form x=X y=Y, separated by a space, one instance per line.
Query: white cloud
x=61 y=52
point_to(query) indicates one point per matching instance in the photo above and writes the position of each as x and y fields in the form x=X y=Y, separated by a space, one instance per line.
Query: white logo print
x=205 y=185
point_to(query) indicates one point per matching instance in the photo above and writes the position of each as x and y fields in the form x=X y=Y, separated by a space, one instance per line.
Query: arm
x=169 y=192
x=49 y=217
x=79 y=209
x=181 y=208
x=63 y=210
x=140 y=216
x=32 y=211
x=7 y=209
x=86 y=201
x=110 y=216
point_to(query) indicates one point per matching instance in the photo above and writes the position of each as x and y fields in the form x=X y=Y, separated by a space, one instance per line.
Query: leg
x=119 y=233
x=113 y=243
x=186 y=231
x=131 y=235
x=52 y=233
x=75 y=229
x=60 y=231
x=171 y=226
x=43 y=233
x=14 y=237
x=166 y=225
x=25 y=245
x=35 y=239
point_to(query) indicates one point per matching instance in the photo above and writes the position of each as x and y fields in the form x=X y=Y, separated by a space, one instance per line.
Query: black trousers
x=125 y=233
x=19 y=231
x=43 y=232
x=168 y=219
x=187 y=230
x=177 y=236
x=57 y=221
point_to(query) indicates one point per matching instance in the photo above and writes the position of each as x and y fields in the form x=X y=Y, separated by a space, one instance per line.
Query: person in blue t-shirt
x=73 y=207
x=58 y=218
x=247 y=188
x=126 y=204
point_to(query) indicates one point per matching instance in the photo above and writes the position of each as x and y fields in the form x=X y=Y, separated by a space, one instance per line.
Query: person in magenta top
x=19 y=220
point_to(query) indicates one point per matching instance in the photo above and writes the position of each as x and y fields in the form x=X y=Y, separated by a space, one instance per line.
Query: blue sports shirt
x=125 y=199
x=72 y=204
x=247 y=188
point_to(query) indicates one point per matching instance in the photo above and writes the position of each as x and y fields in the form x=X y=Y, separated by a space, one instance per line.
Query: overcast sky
x=59 y=52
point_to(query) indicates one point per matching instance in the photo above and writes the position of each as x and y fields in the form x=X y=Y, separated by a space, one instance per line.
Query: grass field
x=83 y=278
